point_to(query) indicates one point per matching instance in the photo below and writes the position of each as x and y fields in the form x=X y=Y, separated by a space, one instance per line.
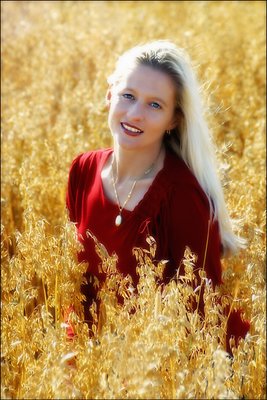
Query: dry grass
x=56 y=57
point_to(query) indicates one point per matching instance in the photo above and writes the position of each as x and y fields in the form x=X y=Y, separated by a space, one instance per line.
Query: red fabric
x=175 y=211
x=70 y=328
x=237 y=327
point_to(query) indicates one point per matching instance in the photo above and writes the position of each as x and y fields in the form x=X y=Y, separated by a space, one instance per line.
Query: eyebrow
x=150 y=96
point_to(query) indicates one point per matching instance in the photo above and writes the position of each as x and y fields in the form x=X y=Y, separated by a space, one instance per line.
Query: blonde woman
x=159 y=178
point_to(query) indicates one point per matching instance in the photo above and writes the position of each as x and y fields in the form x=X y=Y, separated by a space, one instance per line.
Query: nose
x=136 y=111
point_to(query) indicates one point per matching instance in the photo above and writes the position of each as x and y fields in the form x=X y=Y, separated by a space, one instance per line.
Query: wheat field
x=56 y=56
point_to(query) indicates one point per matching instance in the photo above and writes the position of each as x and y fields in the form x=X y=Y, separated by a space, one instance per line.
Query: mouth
x=131 y=130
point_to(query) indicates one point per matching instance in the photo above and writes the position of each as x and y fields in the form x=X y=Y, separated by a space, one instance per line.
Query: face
x=141 y=108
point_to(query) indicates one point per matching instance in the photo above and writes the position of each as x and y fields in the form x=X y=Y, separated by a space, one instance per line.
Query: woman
x=160 y=176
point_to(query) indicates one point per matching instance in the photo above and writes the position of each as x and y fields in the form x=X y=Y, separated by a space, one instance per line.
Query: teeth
x=131 y=129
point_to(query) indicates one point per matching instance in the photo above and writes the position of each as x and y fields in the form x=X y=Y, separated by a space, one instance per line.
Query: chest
x=126 y=195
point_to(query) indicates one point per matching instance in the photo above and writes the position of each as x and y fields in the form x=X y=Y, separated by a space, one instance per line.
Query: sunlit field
x=56 y=57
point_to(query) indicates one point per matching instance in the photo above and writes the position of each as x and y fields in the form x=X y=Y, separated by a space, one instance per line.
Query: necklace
x=118 y=219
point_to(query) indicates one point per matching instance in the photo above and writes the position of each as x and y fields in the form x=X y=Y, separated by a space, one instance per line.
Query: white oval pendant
x=118 y=220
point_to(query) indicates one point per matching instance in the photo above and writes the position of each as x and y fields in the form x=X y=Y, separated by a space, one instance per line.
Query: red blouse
x=175 y=211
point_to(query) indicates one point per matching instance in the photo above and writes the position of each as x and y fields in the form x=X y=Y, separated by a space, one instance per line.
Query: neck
x=133 y=165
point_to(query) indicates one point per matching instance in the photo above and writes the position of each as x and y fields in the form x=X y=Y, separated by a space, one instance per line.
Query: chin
x=128 y=142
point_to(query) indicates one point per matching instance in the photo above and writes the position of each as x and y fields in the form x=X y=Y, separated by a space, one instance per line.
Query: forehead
x=148 y=80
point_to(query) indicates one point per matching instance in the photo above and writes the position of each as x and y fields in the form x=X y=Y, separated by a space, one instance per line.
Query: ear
x=174 y=123
x=176 y=119
x=108 y=97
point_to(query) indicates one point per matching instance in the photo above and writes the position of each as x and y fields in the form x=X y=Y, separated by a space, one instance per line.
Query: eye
x=155 y=105
x=128 y=96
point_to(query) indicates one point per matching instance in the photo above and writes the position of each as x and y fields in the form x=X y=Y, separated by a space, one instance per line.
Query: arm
x=192 y=226
x=73 y=183
x=71 y=196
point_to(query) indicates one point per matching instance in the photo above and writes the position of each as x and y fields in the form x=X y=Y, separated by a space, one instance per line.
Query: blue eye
x=155 y=105
x=128 y=96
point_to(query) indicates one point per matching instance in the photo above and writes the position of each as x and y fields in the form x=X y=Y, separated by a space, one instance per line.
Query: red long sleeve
x=175 y=211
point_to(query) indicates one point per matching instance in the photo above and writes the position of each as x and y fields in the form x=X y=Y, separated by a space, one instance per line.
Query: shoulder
x=88 y=160
x=183 y=186
x=180 y=175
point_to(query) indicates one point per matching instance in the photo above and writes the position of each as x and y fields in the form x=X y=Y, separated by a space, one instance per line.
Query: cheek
x=158 y=121
x=115 y=106
x=112 y=111
x=115 y=112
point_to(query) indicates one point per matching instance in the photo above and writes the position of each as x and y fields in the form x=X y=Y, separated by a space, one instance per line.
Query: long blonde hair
x=191 y=138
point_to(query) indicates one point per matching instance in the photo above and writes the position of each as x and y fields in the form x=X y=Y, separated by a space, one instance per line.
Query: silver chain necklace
x=118 y=219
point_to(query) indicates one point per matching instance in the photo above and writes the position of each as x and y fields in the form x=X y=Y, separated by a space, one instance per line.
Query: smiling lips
x=131 y=130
